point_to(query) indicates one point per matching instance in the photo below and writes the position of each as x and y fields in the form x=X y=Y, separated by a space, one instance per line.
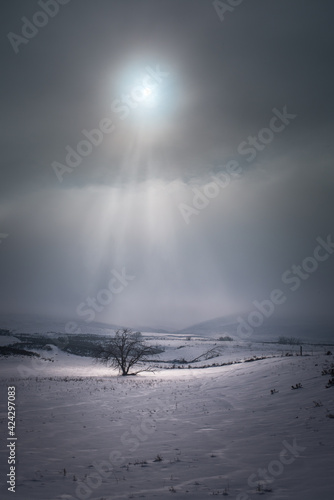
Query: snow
x=86 y=433
x=8 y=340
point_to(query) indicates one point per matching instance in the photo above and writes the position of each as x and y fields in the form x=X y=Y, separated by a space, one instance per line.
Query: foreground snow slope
x=213 y=429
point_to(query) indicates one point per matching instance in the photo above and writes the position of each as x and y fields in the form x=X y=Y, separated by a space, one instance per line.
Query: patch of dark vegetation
x=9 y=350
x=289 y=340
x=81 y=345
x=256 y=358
x=328 y=370
x=5 y=333
x=181 y=361
x=330 y=383
x=180 y=367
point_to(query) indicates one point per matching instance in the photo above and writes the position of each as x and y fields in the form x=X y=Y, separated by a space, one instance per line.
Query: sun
x=147 y=92
x=149 y=98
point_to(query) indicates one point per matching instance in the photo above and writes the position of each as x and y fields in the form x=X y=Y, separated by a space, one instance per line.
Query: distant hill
x=26 y=323
x=312 y=331
x=212 y=326
x=150 y=329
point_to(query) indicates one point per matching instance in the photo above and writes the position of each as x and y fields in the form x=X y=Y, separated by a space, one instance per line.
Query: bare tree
x=125 y=350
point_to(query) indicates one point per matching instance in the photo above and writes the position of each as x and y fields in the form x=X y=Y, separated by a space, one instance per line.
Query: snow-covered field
x=85 y=433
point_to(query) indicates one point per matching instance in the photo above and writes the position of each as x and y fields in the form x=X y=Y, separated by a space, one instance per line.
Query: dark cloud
x=120 y=207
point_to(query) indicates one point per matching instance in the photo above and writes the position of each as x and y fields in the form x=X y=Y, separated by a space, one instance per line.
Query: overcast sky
x=186 y=97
